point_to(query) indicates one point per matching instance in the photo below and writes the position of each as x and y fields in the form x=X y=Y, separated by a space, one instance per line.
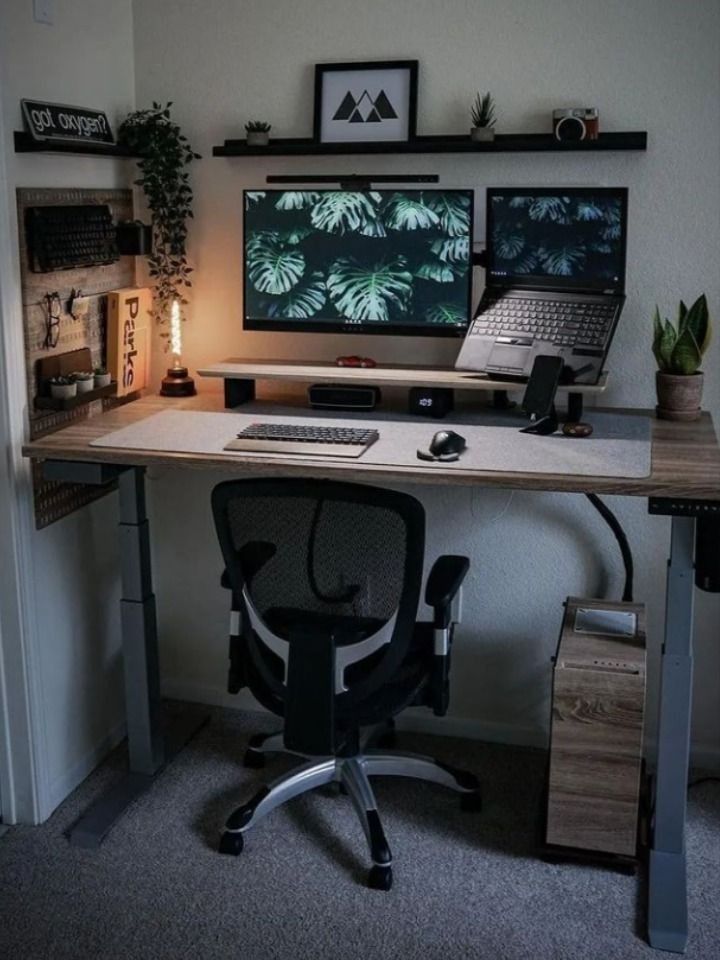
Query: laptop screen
x=567 y=238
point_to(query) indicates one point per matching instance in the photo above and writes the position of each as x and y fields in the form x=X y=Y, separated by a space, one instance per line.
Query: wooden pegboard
x=55 y=500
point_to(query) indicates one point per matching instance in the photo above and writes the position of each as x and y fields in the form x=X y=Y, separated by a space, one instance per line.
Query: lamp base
x=177 y=383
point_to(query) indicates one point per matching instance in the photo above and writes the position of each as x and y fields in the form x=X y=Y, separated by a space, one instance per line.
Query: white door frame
x=23 y=773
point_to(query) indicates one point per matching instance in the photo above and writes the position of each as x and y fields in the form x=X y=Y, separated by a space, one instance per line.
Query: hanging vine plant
x=165 y=155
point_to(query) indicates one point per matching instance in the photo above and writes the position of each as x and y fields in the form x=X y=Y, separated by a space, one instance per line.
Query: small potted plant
x=62 y=388
x=483 y=117
x=102 y=377
x=678 y=351
x=85 y=380
x=257 y=133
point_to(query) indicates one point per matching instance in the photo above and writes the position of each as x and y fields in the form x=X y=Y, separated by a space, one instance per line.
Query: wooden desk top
x=685 y=457
x=397 y=375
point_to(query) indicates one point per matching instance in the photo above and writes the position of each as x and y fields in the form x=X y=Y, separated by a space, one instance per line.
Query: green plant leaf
x=686 y=355
x=272 y=268
x=409 y=213
x=303 y=301
x=508 y=245
x=295 y=235
x=454 y=212
x=697 y=320
x=586 y=210
x=436 y=270
x=682 y=315
x=549 y=208
x=562 y=262
x=296 y=199
x=338 y=212
x=667 y=345
x=369 y=292
x=453 y=250
x=452 y=313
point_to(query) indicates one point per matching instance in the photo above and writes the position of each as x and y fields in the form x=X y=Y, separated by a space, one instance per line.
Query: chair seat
x=389 y=700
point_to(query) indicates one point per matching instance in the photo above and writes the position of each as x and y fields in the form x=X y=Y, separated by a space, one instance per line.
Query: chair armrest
x=443 y=584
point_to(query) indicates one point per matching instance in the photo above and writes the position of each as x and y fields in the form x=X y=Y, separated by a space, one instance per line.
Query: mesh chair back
x=333 y=557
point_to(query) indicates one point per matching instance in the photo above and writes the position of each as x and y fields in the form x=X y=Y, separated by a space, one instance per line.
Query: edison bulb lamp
x=177 y=383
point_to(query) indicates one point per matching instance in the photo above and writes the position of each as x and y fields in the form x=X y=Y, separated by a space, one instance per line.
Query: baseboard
x=417 y=721
x=64 y=785
x=702 y=755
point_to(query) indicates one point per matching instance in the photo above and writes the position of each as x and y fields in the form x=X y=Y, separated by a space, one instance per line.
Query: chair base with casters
x=326 y=582
x=353 y=774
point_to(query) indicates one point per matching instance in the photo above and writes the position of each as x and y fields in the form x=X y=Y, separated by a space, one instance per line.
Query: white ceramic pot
x=482 y=134
x=258 y=138
x=85 y=386
x=62 y=391
x=102 y=380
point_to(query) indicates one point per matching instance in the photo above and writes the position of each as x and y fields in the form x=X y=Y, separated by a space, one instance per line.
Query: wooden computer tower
x=598 y=707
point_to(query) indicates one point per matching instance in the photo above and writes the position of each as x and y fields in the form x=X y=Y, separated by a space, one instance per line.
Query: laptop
x=555 y=281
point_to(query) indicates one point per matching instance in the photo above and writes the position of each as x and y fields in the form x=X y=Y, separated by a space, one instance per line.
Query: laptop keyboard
x=560 y=322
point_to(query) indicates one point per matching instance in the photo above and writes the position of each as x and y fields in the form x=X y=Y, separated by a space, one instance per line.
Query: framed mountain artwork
x=365 y=102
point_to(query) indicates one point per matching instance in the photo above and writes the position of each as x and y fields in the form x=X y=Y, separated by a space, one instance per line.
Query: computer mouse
x=447 y=442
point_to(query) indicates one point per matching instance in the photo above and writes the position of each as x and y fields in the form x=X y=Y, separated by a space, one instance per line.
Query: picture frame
x=365 y=102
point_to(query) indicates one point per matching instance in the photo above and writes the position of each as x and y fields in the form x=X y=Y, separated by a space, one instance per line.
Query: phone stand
x=539 y=400
x=542 y=425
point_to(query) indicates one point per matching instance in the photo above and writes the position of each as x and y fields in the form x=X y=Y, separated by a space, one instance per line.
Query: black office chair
x=325 y=580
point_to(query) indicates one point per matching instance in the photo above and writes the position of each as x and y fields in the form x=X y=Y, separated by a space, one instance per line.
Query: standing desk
x=684 y=483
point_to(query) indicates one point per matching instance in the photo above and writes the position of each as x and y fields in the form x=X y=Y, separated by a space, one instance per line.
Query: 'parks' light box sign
x=58 y=121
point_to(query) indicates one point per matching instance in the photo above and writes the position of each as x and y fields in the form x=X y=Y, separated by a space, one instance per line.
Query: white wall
x=86 y=57
x=647 y=64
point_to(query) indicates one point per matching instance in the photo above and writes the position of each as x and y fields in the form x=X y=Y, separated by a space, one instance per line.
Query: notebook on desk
x=555 y=274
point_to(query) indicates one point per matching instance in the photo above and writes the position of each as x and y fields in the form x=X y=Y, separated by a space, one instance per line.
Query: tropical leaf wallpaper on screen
x=562 y=236
x=400 y=257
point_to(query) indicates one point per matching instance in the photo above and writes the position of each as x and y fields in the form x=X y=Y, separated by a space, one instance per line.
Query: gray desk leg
x=139 y=628
x=146 y=749
x=667 y=895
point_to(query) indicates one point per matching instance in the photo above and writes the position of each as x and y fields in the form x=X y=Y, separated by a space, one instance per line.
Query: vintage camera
x=576 y=123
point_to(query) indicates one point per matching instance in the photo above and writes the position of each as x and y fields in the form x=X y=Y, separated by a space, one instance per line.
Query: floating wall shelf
x=24 y=143
x=503 y=143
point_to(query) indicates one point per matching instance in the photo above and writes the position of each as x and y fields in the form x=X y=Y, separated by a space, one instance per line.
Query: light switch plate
x=44 y=11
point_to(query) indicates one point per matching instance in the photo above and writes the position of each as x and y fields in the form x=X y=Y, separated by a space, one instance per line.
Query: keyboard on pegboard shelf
x=60 y=237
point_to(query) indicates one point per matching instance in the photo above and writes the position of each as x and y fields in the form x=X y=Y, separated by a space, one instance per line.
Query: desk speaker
x=340 y=396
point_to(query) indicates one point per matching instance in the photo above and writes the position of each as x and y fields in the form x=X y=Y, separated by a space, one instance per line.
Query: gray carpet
x=466 y=885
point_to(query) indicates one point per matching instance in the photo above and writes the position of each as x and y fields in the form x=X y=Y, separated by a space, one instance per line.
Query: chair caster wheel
x=231 y=844
x=253 y=759
x=472 y=802
x=380 y=878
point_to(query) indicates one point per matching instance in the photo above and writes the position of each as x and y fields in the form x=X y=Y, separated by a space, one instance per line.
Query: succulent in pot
x=85 y=380
x=679 y=350
x=102 y=377
x=63 y=387
x=483 y=117
x=258 y=133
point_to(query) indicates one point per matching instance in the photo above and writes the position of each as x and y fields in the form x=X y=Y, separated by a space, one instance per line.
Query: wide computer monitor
x=373 y=261
x=557 y=237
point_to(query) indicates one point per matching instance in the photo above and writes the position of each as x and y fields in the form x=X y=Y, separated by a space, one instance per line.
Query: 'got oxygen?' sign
x=57 y=121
